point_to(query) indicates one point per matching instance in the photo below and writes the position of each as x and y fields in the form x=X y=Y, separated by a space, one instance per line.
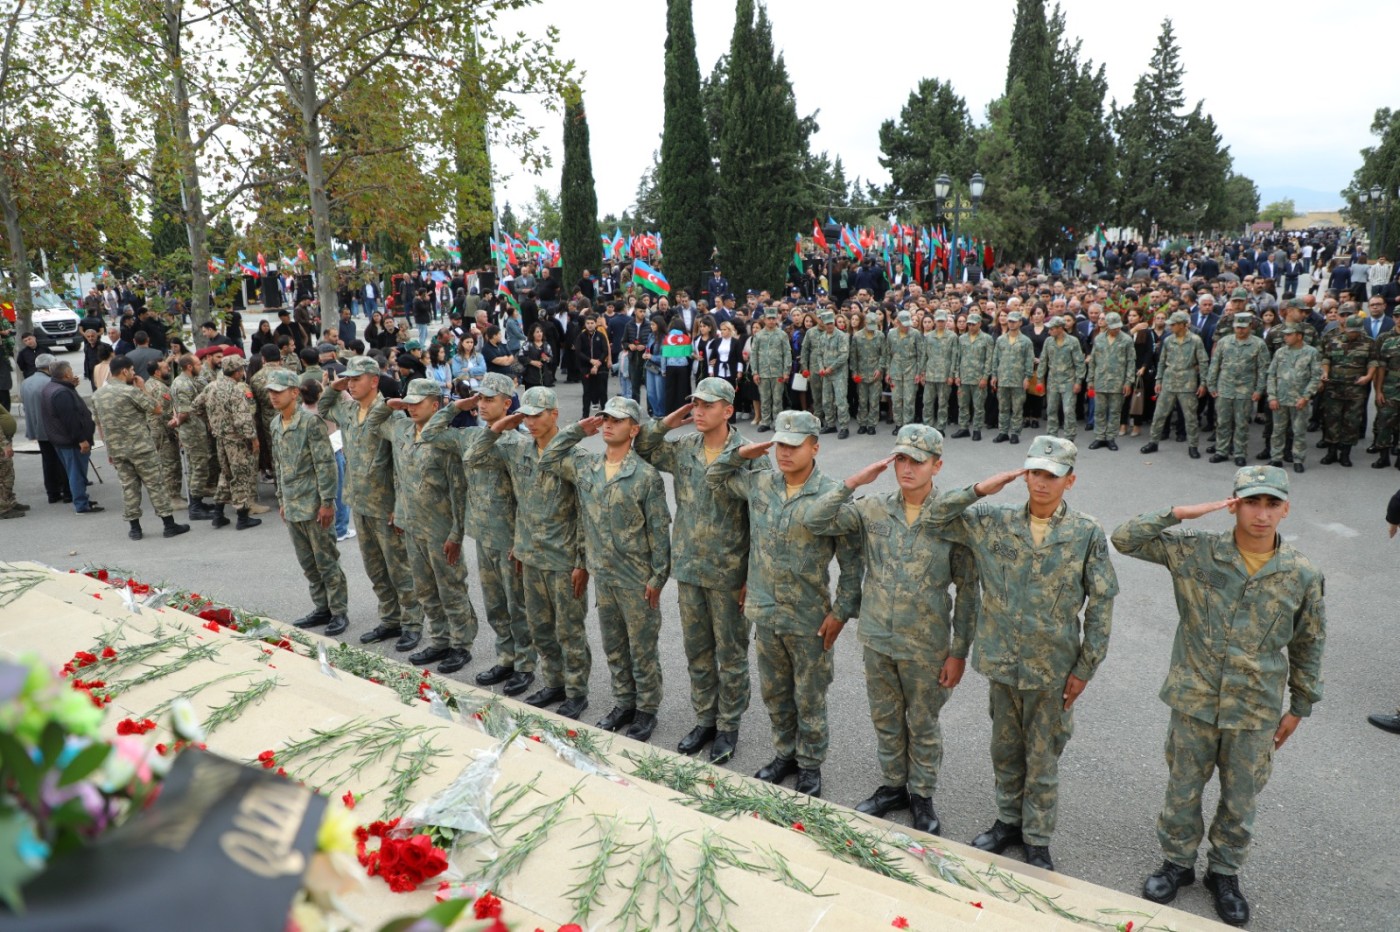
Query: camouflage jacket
x=1013 y=361
x=1386 y=359
x=1274 y=338
x=431 y=488
x=789 y=566
x=162 y=406
x=123 y=411
x=905 y=609
x=307 y=476
x=975 y=358
x=940 y=356
x=1112 y=364
x=547 y=532
x=1347 y=357
x=1061 y=363
x=1182 y=363
x=822 y=350
x=491 y=504
x=904 y=355
x=1228 y=663
x=1028 y=629
x=227 y=406
x=258 y=383
x=626 y=521
x=1294 y=374
x=868 y=354
x=770 y=354
x=1238 y=368
x=369 y=458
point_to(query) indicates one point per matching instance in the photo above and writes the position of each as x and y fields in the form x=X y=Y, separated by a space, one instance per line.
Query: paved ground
x=1321 y=857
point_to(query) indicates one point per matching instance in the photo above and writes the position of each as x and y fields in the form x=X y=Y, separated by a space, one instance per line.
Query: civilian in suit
x=1291 y=269
x=1204 y=319
x=1379 y=323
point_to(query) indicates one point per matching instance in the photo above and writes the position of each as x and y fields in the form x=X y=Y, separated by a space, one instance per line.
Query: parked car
x=55 y=323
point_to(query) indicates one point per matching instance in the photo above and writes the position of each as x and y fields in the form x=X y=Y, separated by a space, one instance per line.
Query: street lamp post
x=941 y=186
x=1375 y=203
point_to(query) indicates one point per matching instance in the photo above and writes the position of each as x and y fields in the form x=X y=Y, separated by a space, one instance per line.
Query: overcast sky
x=1292 y=117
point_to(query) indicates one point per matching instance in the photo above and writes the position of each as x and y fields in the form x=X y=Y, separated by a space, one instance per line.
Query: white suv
x=55 y=323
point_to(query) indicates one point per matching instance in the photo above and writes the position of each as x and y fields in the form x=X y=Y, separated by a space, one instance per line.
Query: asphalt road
x=1321 y=857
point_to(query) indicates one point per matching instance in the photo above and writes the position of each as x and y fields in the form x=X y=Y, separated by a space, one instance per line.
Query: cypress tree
x=685 y=180
x=579 y=245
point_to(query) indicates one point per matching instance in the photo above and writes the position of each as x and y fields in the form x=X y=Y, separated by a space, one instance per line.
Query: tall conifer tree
x=685 y=180
x=578 y=238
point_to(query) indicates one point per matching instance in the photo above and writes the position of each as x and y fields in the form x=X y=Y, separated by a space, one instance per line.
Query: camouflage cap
x=1295 y=304
x=1354 y=323
x=419 y=389
x=826 y=317
x=1052 y=454
x=919 y=442
x=792 y=428
x=538 y=400
x=1261 y=480
x=412 y=345
x=496 y=385
x=1112 y=321
x=1292 y=328
x=769 y=311
x=940 y=316
x=279 y=379
x=904 y=318
x=713 y=389
x=361 y=365
x=232 y=364
x=872 y=321
x=1239 y=294
x=1014 y=317
x=1179 y=317
x=620 y=406
x=1055 y=321
x=974 y=318
x=1244 y=319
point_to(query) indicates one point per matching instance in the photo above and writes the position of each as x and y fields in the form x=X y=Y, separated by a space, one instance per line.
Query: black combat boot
x=245 y=522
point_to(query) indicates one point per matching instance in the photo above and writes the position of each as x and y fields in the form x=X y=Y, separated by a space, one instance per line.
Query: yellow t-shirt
x=711 y=457
x=1254 y=562
x=610 y=469
x=1039 y=528
x=911 y=513
x=794 y=489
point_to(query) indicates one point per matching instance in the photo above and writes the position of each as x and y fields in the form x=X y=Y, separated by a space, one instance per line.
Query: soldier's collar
x=1227 y=551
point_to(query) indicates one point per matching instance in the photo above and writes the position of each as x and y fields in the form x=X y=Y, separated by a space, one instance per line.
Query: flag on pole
x=301 y=255
x=649 y=278
x=1099 y=238
x=676 y=345
x=797 y=255
x=262 y=264
x=503 y=291
x=818 y=236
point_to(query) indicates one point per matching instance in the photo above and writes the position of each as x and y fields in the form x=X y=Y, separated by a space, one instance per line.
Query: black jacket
x=66 y=416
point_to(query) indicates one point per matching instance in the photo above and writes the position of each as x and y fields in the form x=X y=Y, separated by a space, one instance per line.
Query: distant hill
x=1305 y=199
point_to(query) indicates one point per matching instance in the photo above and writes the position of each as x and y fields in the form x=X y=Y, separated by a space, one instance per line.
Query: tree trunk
x=19 y=259
x=196 y=222
x=316 y=182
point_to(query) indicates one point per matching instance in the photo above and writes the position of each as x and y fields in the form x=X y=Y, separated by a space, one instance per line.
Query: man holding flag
x=675 y=366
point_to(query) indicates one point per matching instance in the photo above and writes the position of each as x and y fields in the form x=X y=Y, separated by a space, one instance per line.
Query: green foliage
x=1380 y=167
x=1279 y=211
x=685 y=179
x=167 y=223
x=125 y=248
x=544 y=214
x=579 y=246
x=934 y=135
x=1237 y=206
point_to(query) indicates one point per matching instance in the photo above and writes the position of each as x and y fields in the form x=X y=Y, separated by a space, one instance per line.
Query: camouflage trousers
x=1060 y=419
x=631 y=629
x=238 y=472
x=442 y=593
x=868 y=401
x=793 y=675
x=7 y=483
x=1388 y=420
x=1343 y=413
x=1285 y=417
x=320 y=564
x=1011 y=409
x=504 y=596
x=904 y=392
x=831 y=402
x=936 y=404
x=972 y=406
x=770 y=400
x=1108 y=414
x=1195 y=750
x=141 y=471
x=1232 y=416
x=384 y=554
x=557 y=630
x=199 y=450
x=716 y=638
x=905 y=700
x=168 y=455
x=1030 y=728
x=1165 y=401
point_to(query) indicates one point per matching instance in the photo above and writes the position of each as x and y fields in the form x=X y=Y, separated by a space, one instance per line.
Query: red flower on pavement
x=348 y=799
x=131 y=727
x=978 y=905
x=900 y=922
x=571 y=927
x=268 y=759
x=796 y=826
x=108 y=653
x=487 y=907
x=161 y=749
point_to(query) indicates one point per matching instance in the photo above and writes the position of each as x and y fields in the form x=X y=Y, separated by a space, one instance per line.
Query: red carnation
x=857 y=379
x=900 y=922
x=108 y=653
x=487 y=907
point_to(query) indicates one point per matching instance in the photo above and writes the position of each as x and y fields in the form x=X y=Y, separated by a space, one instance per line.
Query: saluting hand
x=467 y=404
x=508 y=423
x=870 y=473
x=591 y=425
x=1192 y=512
x=678 y=417
x=995 y=484
x=340 y=384
x=752 y=451
x=398 y=404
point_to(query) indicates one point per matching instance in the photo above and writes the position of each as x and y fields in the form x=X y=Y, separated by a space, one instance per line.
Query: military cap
x=620 y=406
x=420 y=389
x=974 y=318
x=826 y=317
x=1292 y=328
x=770 y=312
x=872 y=321
x=1055 y=321
x=1179 y=317
x=324 y=348
x=44 y=360
x=497 y=385
x=792 y=428
x=538 y=400
x=821 y=292
x=279 y=379
x=919 y=442
x=713 y=389
x=1014 y=317
x=905 y=318
x=211 y=350
x=232 y=364
x=1261 y=480
x=1239 y=294
x=1295 y=304
x=1244 y=319
x=412 y=345
x=1113 y=321
x=1354 y=322
x=361 y=365
x=1052 y=454
x=940 y=315
x=751 y=292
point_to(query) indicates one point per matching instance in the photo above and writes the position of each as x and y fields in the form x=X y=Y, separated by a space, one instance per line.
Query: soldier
x=770 y=363
x=940 y=369
x=491 y=507
x=905 y=355
x=1041 y=564
x=430 y=504
x=1237 y=379
x=1226 y=683
x=368 y=491
x=227 y=405
x=122 y=410
x=1013 y=364
x=974 y=372
x=1061 y=371
x=1112 y=370
x=1294 y=312
x=828 y=355
x=1181 y=368
x=627 y=534
x=708 y=560
x=9 y=508
x=1346 y=371
x=306 y=483
x=1295 y=374
x=549 y=545
x=868 y=349
x=914 y=646
x=272 y=360
x=166 y=440
x=788 y=598
x=194 y=437
x=1385 y=375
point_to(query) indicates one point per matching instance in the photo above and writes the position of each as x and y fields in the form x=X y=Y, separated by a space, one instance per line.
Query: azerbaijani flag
x=1099 y=238
x=504 y=292
x=676 y=345
x=797 y=255
x=650 y=279
x=818 y=236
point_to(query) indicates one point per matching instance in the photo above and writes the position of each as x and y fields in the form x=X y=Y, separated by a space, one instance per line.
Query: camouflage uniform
x=868 y=361
x=708 y=551
x=907 y=625
x=940 y=365
x=1346 y=358
x=1112 y=367
x=227 y=405
x=1294 y=375
x=7 y=461
x=1385 y=363
x=1274 y=342
x=1013 y=362
x=549 y=544
x=1179 y=371
x=1028 y=639
x=306 y=482
x=1239 y=370
x=832 y=351
x=123 y=411
x=368 y=492
x=1228 y=670
x=974 y=365
x=905 y=362
x=788 y=598
x=627 y=540
x=194 y=437
x=770 y=358
x=167 y=441
x=1061 y=371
